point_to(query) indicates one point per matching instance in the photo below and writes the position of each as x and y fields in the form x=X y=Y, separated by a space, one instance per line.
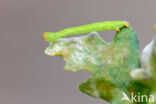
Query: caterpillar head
x=50 y=36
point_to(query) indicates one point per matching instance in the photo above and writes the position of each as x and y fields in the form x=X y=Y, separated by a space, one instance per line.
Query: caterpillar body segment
x=99 y=26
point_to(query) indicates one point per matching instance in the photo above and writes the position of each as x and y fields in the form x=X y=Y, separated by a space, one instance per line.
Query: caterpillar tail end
x=127 y=24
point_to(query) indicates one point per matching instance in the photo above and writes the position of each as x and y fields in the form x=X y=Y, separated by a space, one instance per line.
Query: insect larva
x=99 y=26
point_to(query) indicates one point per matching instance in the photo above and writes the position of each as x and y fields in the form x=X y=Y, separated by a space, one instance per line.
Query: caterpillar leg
x=127 y=24
x=118 y=30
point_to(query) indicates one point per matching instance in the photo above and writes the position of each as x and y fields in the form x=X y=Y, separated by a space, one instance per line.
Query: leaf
x=109 y=63
x=146 y=74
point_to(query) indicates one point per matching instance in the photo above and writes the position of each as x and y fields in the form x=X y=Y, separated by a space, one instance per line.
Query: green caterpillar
x=99 y=26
